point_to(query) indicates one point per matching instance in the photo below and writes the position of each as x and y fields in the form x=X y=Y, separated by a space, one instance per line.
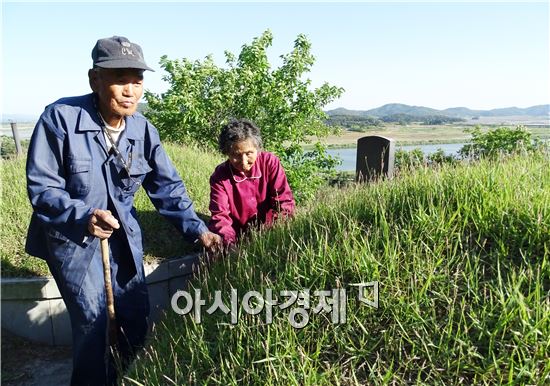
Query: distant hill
x=388 y=110
x=533 y=111
x=398 y=108
x=457 y=112
x=20 y=118
x=343 y=111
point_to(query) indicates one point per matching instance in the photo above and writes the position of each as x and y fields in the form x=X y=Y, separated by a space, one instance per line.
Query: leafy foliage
x=202 y=97
x=7 y=147
x=439 y=157
x=502 y=140
x=409 y=159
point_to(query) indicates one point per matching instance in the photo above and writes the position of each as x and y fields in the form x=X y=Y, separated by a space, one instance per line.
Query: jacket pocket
x=79 y=176
x=138 y=172
x=69 y=260
x=59 y=246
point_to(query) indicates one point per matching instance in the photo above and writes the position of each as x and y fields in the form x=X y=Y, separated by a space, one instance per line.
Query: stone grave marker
x=375 y=158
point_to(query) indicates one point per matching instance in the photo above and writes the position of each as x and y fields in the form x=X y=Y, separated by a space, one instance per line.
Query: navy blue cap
x=118 y=52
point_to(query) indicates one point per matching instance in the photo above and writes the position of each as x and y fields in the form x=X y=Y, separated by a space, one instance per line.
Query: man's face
x=119 y=91
x=243 y=155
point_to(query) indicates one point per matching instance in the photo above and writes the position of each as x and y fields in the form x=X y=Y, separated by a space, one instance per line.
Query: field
x=419 y=134
x=24 y=128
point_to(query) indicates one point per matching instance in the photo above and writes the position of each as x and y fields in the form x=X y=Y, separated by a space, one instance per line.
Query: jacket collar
x=239 y=176
x=90 y=121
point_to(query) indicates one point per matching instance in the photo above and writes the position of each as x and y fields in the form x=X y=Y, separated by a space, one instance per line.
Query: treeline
x=353 y=122
x=404 y=119
x=363 y=123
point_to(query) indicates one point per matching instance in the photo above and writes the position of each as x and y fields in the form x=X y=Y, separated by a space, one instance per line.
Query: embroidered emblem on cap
x=126 y=50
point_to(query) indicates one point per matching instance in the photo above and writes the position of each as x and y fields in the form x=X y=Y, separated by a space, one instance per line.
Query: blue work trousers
x=93 y=360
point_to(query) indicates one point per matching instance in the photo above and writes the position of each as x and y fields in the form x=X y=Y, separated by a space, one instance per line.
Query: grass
x=462 y=257
x=161 y=240
x=15 y=215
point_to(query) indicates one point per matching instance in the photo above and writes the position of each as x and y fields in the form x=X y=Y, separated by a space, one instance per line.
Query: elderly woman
x=250 y=188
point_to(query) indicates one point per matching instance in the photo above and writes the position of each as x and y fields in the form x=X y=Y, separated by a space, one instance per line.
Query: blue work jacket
x=70 y=173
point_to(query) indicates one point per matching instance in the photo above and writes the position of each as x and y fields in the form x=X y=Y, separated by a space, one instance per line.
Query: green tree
x=202 y=97
x=502 y=140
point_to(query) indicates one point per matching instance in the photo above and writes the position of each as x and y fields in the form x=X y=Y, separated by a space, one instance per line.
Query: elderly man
x=87 y=158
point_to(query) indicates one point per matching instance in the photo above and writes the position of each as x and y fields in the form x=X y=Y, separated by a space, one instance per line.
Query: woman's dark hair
x=236 y=131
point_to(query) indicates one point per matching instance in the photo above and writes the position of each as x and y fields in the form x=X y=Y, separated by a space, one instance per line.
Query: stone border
x=33 y=308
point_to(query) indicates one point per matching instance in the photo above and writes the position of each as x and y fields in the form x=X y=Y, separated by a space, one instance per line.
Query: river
x=348 y=155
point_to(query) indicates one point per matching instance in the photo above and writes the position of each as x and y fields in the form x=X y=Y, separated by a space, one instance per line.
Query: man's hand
x=211 y=241
x=102 y=223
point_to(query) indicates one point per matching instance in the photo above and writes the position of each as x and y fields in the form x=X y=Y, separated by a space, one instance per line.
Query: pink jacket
x=237 y=201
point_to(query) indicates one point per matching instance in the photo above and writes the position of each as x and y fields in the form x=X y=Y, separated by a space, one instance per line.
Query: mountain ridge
x=457 y=112
x=385 y=110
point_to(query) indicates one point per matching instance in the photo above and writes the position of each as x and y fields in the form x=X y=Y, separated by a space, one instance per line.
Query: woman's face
x=243 y=154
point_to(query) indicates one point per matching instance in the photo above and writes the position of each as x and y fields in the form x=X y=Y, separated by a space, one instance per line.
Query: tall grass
x=462 y=258
x=161 y=240
x=15 y=215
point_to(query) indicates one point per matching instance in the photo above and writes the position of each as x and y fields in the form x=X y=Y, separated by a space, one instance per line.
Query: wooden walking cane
x=111 y=318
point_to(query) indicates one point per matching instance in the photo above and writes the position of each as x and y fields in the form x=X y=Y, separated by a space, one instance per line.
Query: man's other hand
x=211 y=241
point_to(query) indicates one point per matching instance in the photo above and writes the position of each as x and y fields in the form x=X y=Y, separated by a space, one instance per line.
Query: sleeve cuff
x=202 y=229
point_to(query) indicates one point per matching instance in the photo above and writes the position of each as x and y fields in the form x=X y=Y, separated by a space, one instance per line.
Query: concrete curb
x=33 y=308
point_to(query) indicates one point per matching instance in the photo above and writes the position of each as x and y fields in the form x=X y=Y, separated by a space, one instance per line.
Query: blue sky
x=436 y=54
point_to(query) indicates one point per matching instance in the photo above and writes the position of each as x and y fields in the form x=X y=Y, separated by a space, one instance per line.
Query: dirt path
x=26 y=363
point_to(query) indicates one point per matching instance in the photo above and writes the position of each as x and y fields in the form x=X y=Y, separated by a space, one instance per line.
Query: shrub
x=439 y=157
x=202 y=97
x=409 y=159
x=7 y=147
x=502 y=140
